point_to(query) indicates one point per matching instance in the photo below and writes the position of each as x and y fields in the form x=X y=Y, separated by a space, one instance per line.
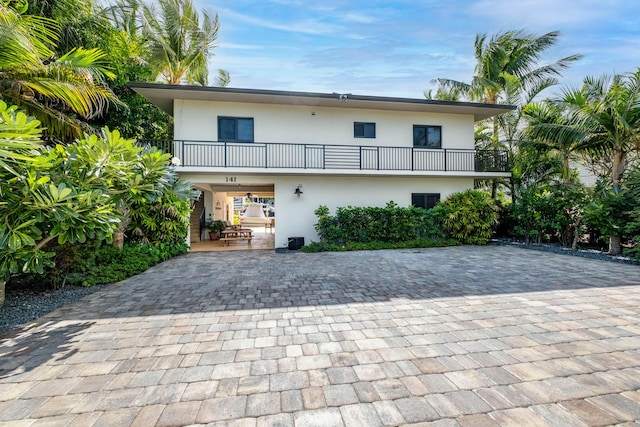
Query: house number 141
x=231 y=179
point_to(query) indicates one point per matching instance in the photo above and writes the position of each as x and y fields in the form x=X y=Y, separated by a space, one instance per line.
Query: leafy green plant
x=632 y=229
x=114 y=264
x=165 y=219
x=610 y=214
x=214 y=225
x=40 y=202
x=470 y=216
x=55 y=198
x=551 y=212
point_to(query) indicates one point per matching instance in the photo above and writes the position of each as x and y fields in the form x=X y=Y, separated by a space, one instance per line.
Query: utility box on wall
x=295 y=243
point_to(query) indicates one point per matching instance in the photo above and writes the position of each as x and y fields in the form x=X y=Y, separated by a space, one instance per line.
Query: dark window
x=425 y=200
x=364 y=130
x=235 y=129
x=427 y=136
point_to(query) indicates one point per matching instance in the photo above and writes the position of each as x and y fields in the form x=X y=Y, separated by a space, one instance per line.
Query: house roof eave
x=163 y=95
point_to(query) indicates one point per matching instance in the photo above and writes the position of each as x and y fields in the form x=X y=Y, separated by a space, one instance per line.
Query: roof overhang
x=163 y=96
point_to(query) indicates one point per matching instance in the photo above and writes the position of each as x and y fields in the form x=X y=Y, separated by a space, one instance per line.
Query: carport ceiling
x=237 y=190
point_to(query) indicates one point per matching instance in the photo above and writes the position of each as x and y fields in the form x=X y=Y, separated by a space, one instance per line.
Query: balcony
x=269 y=155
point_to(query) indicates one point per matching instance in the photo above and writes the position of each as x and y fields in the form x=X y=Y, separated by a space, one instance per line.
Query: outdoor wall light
x=298 y=191
x=248 y=195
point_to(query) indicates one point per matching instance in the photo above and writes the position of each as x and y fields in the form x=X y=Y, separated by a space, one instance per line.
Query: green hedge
x=392 y=224
x=371 y=246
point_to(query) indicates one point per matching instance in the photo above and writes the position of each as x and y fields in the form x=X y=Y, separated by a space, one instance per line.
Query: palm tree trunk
x=565 y=171
x=619 y=164
x=576 y=233
x=2 y=286
x=118 y=235
x=615 y=248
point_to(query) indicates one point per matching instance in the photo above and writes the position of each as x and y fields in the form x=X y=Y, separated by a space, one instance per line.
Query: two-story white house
x=312 y=149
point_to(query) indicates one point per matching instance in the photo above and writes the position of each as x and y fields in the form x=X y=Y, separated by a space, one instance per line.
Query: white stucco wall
x=198 y=121
x=219 y=205
x=295 y=217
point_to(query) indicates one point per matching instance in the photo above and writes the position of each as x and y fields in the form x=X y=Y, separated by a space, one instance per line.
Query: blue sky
x=395 y=48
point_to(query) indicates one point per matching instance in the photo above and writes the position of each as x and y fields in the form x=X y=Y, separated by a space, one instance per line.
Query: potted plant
x=215 y=226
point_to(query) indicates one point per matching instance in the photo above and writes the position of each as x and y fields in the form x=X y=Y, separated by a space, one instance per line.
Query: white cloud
x=358 y=17
x=307 y=26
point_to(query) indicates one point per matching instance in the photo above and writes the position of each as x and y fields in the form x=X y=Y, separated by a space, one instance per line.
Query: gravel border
x=557 y=249
x=25 y=304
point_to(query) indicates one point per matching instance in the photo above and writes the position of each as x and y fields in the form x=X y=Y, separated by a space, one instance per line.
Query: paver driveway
x=454 y=336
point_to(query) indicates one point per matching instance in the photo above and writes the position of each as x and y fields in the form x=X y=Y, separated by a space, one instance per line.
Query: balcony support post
x=445 y=160
x=413 y=152
x=324 y=157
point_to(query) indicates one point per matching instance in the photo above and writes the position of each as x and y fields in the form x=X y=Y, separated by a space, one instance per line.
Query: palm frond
x=50 y=88
x=179 y=42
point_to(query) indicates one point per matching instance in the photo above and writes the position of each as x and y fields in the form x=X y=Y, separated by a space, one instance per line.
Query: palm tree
x=126 y=16
x=49 y=88
x=507 y=71
x=505 y=55
x=609 y=111
x=508 y=60
x=552 y=128
x=605 y=116
x=179 y=43
x=77 y=20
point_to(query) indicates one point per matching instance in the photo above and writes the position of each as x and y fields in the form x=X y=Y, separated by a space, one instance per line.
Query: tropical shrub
x=632 y=228
x=470 y=216
x=551 y=212
x=506 y=220
x=113 y=264
x=165 y=219
x=611 y=214
x=61 y=197
x=525 y=217
x=40 y=203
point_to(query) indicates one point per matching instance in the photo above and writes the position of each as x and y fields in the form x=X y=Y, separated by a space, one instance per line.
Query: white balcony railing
x=317 y=156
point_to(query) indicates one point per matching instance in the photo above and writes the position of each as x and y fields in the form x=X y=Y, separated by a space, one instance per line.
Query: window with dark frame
x=364 y=130
x=425 y=200
x=235 y=129
x=427 y=136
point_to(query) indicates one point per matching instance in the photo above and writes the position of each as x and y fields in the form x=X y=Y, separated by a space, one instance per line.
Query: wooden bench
x=226 y=240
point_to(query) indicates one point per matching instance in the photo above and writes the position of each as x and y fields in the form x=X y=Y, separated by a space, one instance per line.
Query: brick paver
x=463 y=336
